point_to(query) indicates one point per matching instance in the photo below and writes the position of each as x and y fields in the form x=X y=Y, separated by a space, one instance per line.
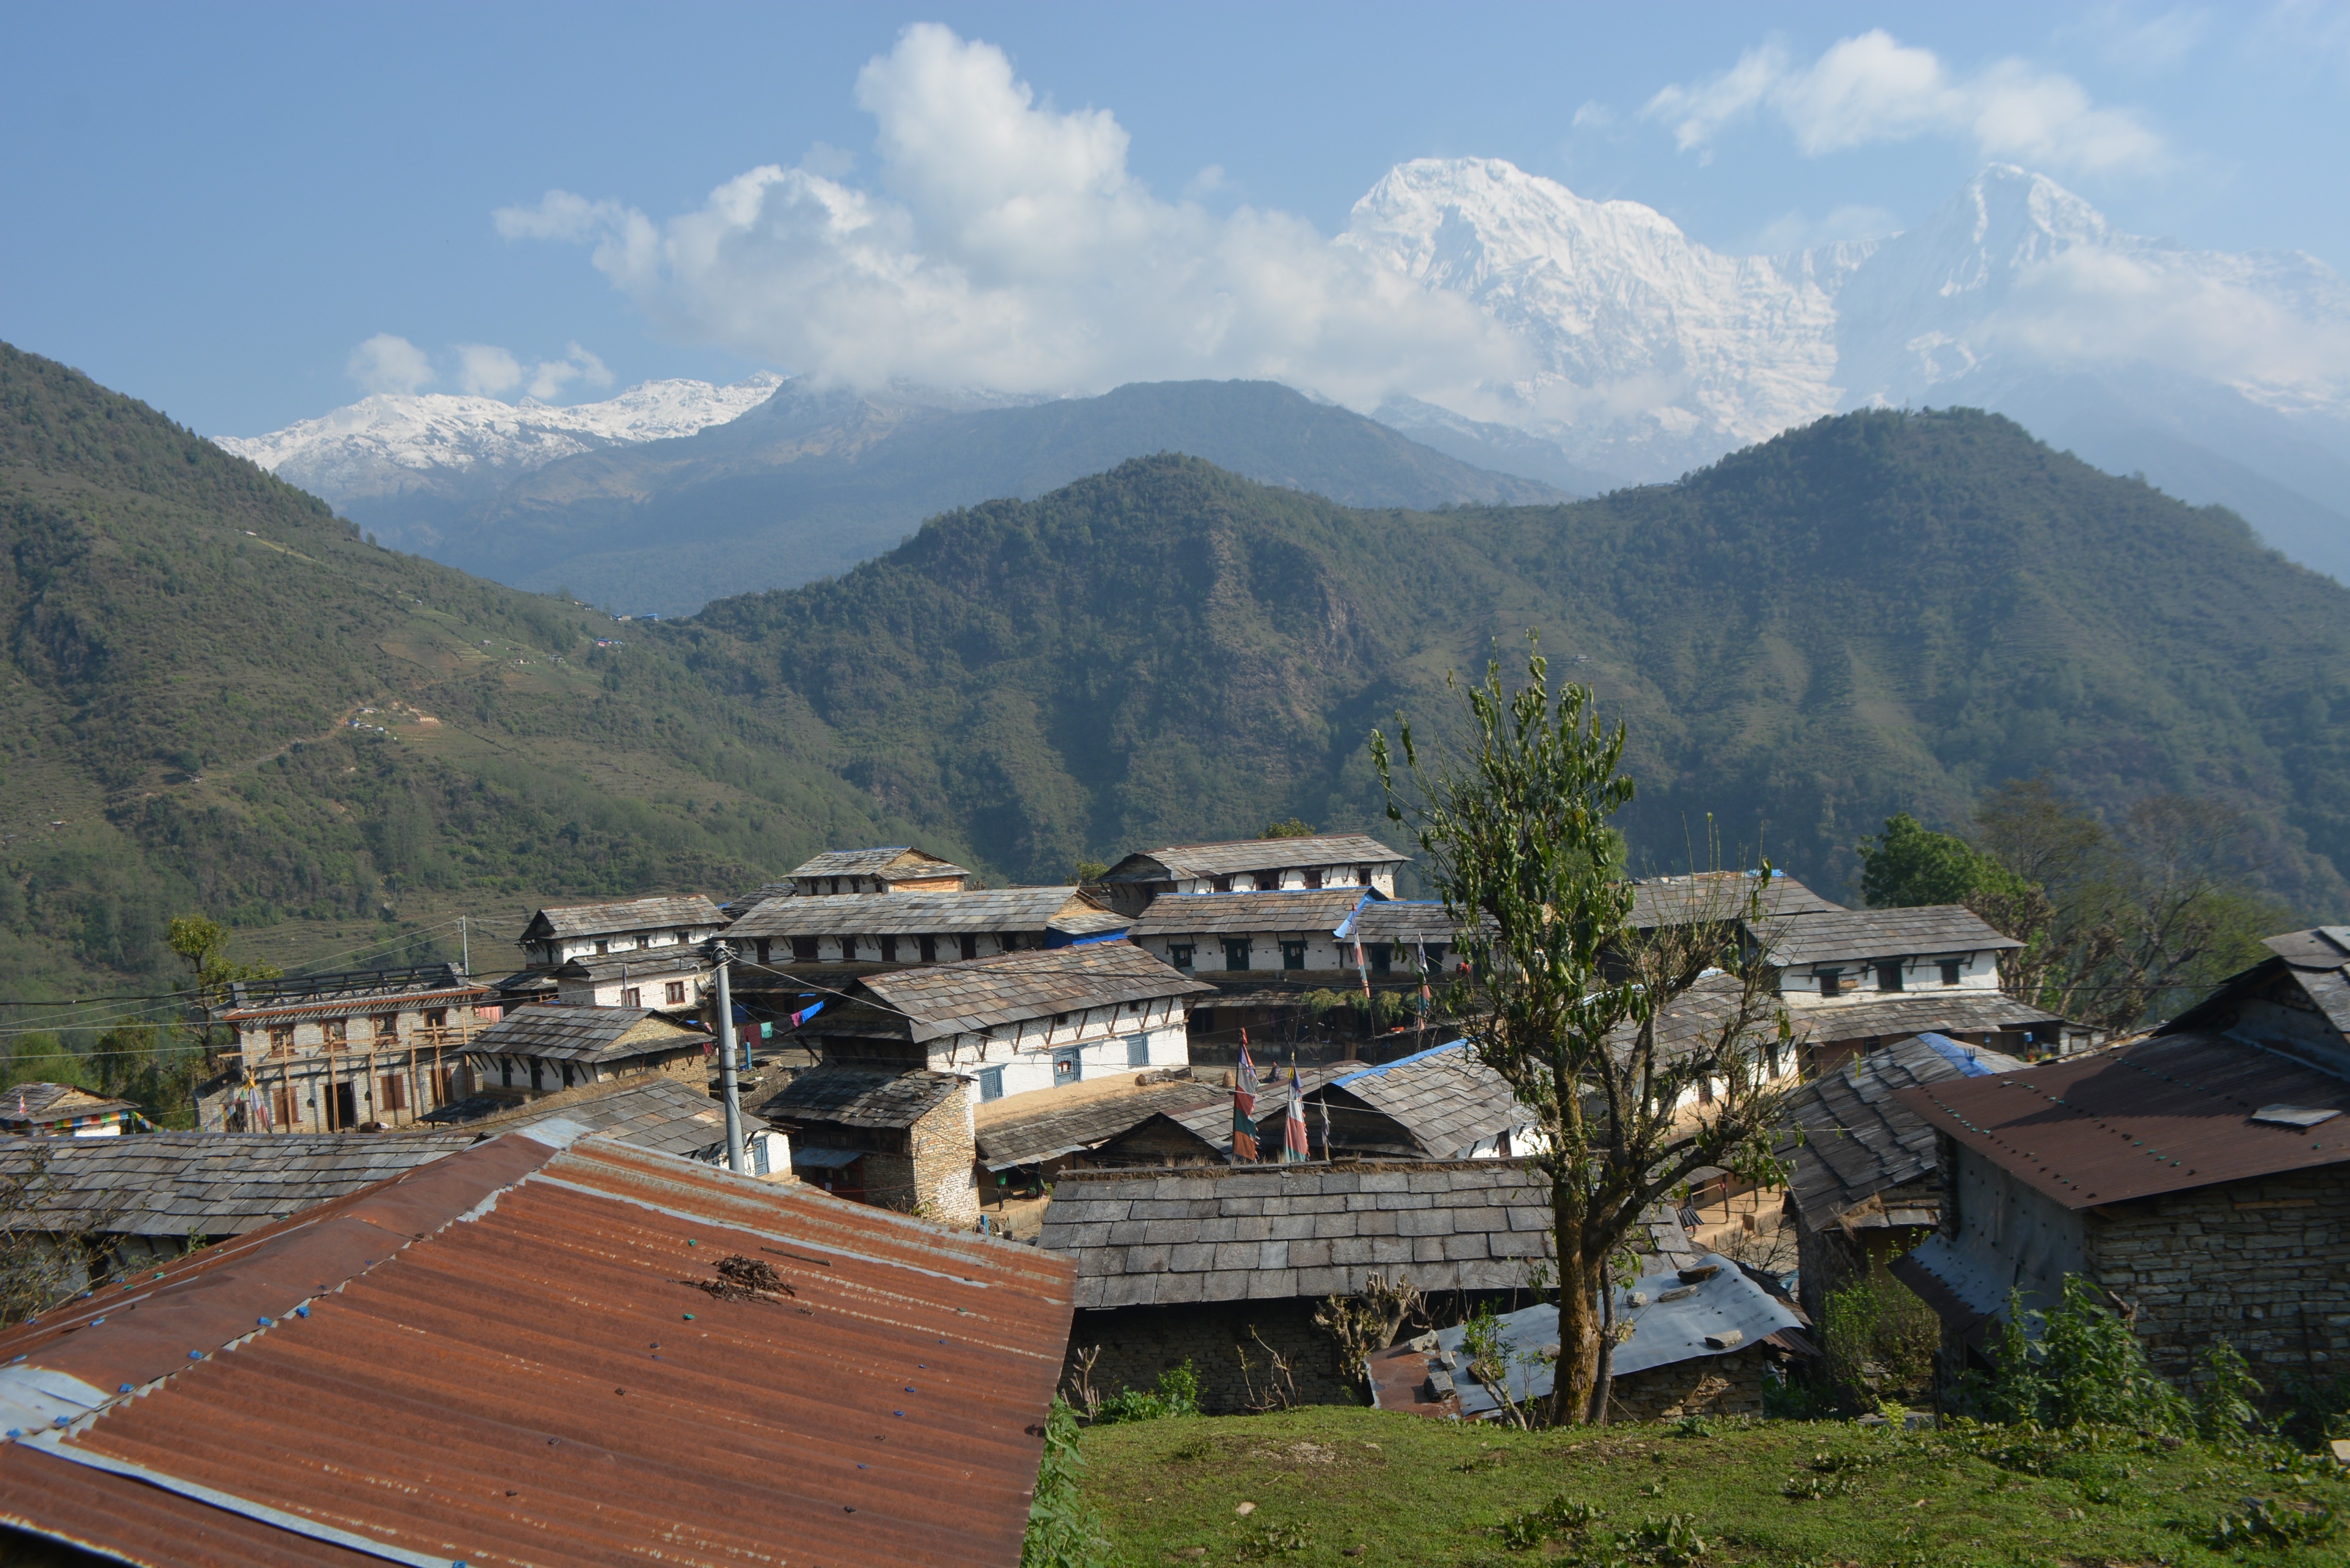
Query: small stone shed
x=898 y=1141
x=1866 y=1184
x=1704 y=1339
x=545 y=1049
x=1223 y=1267
x=2200 y=1182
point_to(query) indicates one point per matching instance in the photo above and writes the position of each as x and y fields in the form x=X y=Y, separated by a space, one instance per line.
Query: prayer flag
x=1245 y=1107
x=1293 y=1130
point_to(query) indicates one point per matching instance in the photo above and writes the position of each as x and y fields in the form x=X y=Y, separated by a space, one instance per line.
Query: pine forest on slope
x=1876 y=613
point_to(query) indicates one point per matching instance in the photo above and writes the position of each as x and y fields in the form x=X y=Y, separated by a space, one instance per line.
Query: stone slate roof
x=180 y=1184
x=26 y=1103
x=1856 y=1140
x=892 y=863
x=1049 y=1131
x=1956 y=1012
x=861 y=1097
x=1064 y=909
x=653 y=963
x=977 y=994
x=1276 y=910
x=1859 y=935
x=1446 y=1099
x=742 y=904
x=1210 y=1233
x=650 y=1110
x=333 y=995
x=627 y=915
x=1223 y=859
x=1718 y=895
x=1403 y=921
x=592 y=1034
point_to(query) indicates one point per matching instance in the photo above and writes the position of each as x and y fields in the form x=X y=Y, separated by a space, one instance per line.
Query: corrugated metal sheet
x=505 y=1360
x=2169 y=1113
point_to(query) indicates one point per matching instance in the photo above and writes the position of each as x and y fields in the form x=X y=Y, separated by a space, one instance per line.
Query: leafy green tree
x=1296 y=827
x=1910 y=865
x=43 y=1059
x=1514 y=822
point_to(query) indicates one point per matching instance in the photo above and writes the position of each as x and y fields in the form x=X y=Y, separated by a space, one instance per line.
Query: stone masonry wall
x=1728 y=1385
x=943 y=1159
x=2264 y=1263
x=1138 y=1344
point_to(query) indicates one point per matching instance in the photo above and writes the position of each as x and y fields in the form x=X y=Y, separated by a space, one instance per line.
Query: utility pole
x=464 y=948
x=728 y=1089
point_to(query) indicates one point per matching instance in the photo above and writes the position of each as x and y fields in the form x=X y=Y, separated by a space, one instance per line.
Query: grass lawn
x=1349 y=1486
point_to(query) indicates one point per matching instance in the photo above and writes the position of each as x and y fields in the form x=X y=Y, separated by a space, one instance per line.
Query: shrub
x=1177 y=1393
x=2086 y=1367
x=1881 y=1338
x=1063 y=1531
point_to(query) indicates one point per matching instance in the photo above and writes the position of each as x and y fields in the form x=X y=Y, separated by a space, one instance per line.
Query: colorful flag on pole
x=1293 y=1129
x=1245 y=1107
x=1362 y=969
x=804 y=1014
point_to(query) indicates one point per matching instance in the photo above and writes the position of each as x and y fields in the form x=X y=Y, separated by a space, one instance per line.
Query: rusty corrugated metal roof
x=500 y=1357
x=2169 y=1113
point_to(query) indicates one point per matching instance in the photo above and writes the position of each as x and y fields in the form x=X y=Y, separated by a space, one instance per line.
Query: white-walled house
x=917 y=928
x=671 y=980
x=1020 y=1023
x=1260 y=865
x=657 y=939
x=1221 y=934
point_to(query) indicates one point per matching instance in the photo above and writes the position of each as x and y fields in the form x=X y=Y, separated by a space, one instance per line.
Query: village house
x=1705 y=1339
x=1224 y=1266
x=899 y=1139
x=338 y=1053
x=2199 y=1181
x=645 y=1110
x=1865 y=1183
x=898 y=868
x=635 y=952
x=60 y=1110
x=103 y=1207
x=1156 y=1118
x=542 y=1051
x=1441 y=1104
x=857 y=932
x=1014 y=1025
x=496 y=1356
x=1257 y=865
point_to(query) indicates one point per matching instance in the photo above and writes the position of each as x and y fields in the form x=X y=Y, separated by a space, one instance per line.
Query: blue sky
x=213 y=207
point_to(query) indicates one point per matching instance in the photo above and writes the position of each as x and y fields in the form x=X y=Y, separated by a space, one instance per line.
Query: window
x=1068 y=1065
x=602 y=948
x=535 y=1084
x=929 y=950
x=847 y=949
x=1236 y=952
x=758 y=1153
x=991 y=1082
x=1382 y=956
x=1435 y=952
x=285 y=1106
x=337 y=1031
x=634 y=996
x=437 y=1018
x=1314 y=876
x=1180 y=955
x=1293 y=955
x=1888 y=976
x=505 y=1072
x=1138 y=1050
x=1830 y=981
x=391 y=1093
x=566 y=1074
x=1224 y=884
x=803 y=949
x=387 y=1025
x=1952 y=969
x=969 y=945
x=673 y=992
x=766 y=952
x=281 y=1039
x=889 y=949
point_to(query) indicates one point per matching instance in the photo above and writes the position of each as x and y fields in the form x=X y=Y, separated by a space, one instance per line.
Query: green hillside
x=189 y=642
x=1881 y=612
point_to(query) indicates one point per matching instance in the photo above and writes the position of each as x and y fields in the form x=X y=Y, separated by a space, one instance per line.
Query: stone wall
x=941 y=1162
x=1728 y=1385
x=2264 y=1263
x=1136 y=1343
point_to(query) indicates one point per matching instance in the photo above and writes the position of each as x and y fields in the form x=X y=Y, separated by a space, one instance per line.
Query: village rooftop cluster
x=1001 y=1142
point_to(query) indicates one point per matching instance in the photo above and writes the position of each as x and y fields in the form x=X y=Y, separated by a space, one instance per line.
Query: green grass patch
x=1341 y=1487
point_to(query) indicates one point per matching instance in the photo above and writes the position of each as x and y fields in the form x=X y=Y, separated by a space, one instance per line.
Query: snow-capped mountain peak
x=457 y=446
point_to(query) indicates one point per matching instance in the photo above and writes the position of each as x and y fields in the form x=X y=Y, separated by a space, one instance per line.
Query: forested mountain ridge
x=190 y=643
x=1881 y=611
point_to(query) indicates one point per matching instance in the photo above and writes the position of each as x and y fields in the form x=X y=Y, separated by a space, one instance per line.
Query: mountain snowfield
x=2222 y=377
x=393 y=444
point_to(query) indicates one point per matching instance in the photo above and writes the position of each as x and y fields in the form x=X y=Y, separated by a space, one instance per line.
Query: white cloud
x=385 y=363
x=1008 y=245
x=551 y=376
x=486 y=371
x=1871 y=88
x=1595 y=114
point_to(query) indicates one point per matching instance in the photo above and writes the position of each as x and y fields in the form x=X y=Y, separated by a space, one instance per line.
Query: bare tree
x=1644 y=1055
